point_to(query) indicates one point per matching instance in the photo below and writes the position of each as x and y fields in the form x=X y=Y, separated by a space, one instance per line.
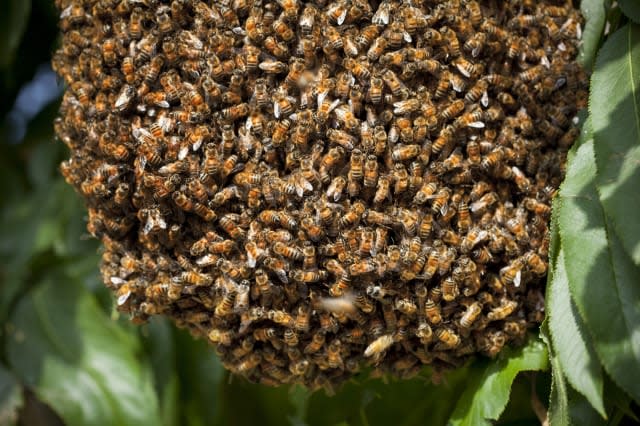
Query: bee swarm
x=317 y=187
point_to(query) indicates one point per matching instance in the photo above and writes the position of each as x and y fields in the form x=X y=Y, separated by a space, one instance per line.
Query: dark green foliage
x=593 y=292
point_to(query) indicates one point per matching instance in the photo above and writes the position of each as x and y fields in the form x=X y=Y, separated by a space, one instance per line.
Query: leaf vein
x=633 y=83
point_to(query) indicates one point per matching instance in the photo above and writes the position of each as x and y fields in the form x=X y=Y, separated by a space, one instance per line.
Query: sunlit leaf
x=77 y=360
x=13 y=21
x=594 y=12
x=10 y=397
x=602 y=278
x=631 y=8
x=485 y=399
x=615 y=112
x=571 y=342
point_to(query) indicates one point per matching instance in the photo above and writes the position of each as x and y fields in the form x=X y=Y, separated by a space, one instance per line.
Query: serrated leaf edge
x=573 y=295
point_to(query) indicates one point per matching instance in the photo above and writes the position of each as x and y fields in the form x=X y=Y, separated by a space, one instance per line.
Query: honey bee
x=345 y=116
x=313 y=231
x=484 y=202
x=290 y=338
x=506 y=308
x=371 y=171
x=379 y=346
x=362 y=267
x=448 y=337
x=279 y=267
x=536 y=206
x=282 y=30
x=452 y=110
x=316 y=343
x=235 y=112
x=307 y=20
x=334 y=356
x=221 y=337
x=394 y=84
x=470 y=315
x=512 y=273
x=535 y=263
x=264 y=334
x=450 y=290
x=289 y=252
x=281 y=318
x=474 y=237
x=475 y=13
x=253 y=27
x=229 y=225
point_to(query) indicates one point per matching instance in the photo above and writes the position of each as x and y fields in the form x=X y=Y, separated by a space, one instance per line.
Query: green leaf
x=299 y=398
x=159 y=343
x=78 y=361
x=571 y=341
x=367 y=401
x=10 y=397
x=581 y=412
x=558 y=413
x=485 y=398
x=602 y=278
x=631 y=8
x=594 y=12
x=615 y=111
x=13 y=21
x=201 y=377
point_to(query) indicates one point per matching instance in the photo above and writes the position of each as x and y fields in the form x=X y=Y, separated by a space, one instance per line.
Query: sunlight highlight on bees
x=318 y=187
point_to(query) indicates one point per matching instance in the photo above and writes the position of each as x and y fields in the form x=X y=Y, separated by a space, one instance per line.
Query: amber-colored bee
x=316 y=343
x=283 y=250
x=512 y=273
x=264 y=334
x=393 y=83
x=334 y=357
x=470 y=315
x=282 y=30
x=281 y=317
x=506 y=308
x=535 y=263
x=379 y=346
x=235 y=112
x=452 y=110
x=536 y=207
x=345 y=116
x=221 y=337
x=448 y=337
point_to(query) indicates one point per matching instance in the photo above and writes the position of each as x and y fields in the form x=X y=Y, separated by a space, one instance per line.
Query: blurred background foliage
x=67 y=357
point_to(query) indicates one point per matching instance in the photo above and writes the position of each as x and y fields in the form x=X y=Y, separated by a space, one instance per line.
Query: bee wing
x=122 y=299
x=463 y=70
x=239 y=31
x=282 y=276
x=381 y=17
x=276 y=109
x=342 y=17
x=476 y=124
x=333 y=105
x=484 y=99
x=517 y=279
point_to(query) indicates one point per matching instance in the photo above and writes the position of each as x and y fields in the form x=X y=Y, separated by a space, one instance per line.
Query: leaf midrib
x=633 y=83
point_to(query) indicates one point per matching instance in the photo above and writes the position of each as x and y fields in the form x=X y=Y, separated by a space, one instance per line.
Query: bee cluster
x=315 y=186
